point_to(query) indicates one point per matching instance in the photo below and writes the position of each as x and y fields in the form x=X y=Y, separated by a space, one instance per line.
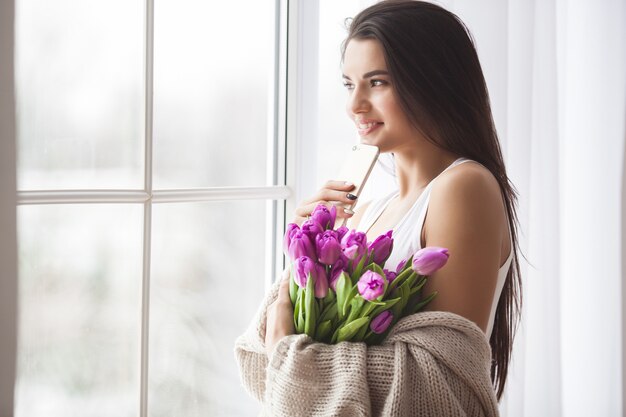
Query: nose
x=358 y=102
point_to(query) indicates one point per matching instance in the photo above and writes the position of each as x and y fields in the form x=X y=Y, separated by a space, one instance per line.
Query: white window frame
x=286 y=162
x=8 y=238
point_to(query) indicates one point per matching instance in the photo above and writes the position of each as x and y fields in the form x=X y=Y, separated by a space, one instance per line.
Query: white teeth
x=366 y=126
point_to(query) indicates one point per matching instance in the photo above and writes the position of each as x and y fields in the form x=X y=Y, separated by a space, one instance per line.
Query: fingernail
x=348 y=211
x=351 y=196
x=350 y=184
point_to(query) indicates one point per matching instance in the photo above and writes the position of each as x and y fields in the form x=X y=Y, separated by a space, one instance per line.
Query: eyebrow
x=370 y=74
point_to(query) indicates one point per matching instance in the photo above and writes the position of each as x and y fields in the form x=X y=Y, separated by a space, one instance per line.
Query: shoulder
x=466 y=215
x=468 y=191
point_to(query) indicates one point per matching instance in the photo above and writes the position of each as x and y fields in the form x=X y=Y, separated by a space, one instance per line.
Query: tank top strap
x=426 y=197
x=376 y=207
x=373 y=211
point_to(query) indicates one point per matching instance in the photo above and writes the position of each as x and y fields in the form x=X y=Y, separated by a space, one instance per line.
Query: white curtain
x=564 y=140
x=556 y=71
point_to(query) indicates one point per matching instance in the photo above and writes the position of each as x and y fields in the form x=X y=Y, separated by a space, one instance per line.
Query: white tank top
x=407 y=235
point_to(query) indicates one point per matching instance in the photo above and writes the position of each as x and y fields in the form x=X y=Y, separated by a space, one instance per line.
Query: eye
x=377 y=83
x=348 y=85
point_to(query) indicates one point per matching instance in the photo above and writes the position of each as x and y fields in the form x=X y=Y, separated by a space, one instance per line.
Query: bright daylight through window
x=143 y=130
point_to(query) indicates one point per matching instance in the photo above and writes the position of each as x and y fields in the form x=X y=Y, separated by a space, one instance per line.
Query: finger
x=327 y=194
x=339 y=185
x=328 y=199
x=305 y=210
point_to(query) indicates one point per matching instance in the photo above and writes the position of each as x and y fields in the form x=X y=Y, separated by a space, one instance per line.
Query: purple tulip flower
x=430 y=259
x=390 y=275
x=324 y=216
x=328 y=247
x=401 y=265
x=371 y=285
x=312 y=229
x=291 y=229
x=305 y=266
x=380 y=248
x=341 y=232
x=354 y=245
x=381 y=322
x=301 y=245
x=337 y=268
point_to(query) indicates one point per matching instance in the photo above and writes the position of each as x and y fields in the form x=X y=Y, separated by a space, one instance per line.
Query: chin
x=370 y=141
x=365 y=140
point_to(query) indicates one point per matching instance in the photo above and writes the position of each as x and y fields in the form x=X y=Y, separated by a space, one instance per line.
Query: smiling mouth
x=363 y=126
x=366 y=128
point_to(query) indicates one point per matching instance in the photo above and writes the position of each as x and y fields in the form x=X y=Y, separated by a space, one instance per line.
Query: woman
x=416 y=90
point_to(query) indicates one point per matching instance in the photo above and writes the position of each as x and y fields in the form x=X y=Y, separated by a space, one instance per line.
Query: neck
x=417 y=166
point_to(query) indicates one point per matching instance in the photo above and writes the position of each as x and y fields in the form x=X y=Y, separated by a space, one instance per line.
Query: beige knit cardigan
x=430 y=364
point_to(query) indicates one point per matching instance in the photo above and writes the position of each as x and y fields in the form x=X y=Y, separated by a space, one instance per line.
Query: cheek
x=396 y=117
x=390 y=108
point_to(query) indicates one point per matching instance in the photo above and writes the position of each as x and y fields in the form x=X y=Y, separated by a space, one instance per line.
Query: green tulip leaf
x=296 y=311
x=376 y=268
x=399 y=280
x=358 y=270
x=355 y=308
x=385 y=306
x=293 y=288
x=408 y=264
x=330 y=297
x=346 y=303
x=419 y=284
x=349 y=330
x=418 y=306
x=343 y=287
x=329 y=312
x=408 y=283
x=323 y=330
x=360 y=335
x=309 y=307
x=300 y=324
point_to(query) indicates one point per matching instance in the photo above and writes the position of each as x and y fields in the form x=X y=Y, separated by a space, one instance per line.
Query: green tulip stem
x=293 y=287
x=309 y=307
x=403 y=276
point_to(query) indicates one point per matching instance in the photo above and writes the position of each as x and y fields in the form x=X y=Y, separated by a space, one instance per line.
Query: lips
x=366 y=126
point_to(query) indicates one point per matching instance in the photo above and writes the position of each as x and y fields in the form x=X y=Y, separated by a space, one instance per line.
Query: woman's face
x=372 y=104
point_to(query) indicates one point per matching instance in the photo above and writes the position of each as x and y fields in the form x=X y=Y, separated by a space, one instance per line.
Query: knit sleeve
x=250 y=349
x=306 y=378
x=431 y=363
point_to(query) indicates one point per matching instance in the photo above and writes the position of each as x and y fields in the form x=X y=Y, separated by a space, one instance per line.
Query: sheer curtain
x=556 y=73
x=564 y=145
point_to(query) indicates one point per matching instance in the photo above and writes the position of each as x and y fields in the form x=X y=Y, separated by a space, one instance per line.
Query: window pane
x=79 y=310
x=212 y=68
x=80 y=93
x=207 y=284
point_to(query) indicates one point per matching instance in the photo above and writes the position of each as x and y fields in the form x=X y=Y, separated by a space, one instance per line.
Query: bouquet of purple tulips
x=339 y=286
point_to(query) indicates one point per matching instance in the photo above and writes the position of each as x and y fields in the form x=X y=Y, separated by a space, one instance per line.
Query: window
x=151 y=188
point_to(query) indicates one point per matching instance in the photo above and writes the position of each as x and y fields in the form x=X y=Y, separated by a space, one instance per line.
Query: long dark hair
x=438 y=80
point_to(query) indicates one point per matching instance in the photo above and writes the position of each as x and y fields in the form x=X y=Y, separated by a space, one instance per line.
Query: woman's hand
x=337 y=192
x=279 y=316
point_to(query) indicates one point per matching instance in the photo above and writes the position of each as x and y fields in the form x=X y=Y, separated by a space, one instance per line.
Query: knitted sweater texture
x=430 y=364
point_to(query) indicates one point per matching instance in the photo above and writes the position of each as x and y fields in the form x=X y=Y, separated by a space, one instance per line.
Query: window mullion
x=147 y=225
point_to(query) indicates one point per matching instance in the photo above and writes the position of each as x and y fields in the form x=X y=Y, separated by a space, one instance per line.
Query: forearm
x=306 y=378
